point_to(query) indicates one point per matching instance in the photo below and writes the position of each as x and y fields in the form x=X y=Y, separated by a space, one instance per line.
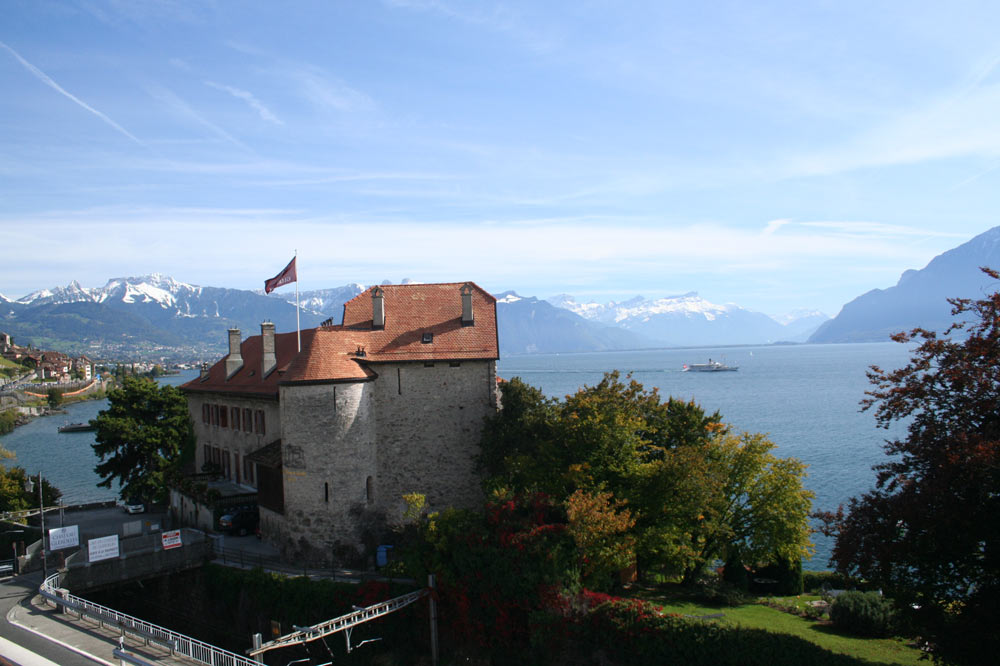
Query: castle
x=332 y=436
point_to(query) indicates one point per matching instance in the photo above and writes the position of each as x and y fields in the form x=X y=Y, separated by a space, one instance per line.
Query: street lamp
x=28 y=487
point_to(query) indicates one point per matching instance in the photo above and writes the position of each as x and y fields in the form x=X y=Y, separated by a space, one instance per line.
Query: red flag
x=286 y=276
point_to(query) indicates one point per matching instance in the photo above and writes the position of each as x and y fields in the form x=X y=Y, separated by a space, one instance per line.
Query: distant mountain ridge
x=157 y=316
x=919 y=299
x=528 y=325
x=689 y=320
x=151 y=314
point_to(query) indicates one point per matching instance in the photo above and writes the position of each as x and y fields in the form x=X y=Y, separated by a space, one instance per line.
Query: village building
x=390 y=402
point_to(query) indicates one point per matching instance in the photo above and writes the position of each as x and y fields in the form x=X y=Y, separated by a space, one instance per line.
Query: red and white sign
x=171 y=539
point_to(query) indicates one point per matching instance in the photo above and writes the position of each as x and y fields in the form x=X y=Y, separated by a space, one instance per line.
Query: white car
x=133 y=505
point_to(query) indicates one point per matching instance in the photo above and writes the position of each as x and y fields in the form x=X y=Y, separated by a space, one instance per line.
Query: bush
x=814 y=581
x=863 y=614
x=786 y=574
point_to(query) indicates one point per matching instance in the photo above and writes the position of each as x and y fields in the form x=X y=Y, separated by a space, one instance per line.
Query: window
x=206 y=413
x=427 y=338
x=370 y=490
x=236 y=466
x=326 y=492
x=247 y=470
x=225 y=464
x=247 y=423
x=223 y=417
x=234 y=416
x=259 y=422
x=215 y=415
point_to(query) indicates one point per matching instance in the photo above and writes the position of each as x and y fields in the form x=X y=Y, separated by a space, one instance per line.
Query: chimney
x=467 y=317
x=268 y=359
x=378 y=308
x=234 y=361
x=204 y=371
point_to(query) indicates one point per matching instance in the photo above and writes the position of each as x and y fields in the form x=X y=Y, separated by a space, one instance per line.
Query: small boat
x=711 y=366
x=77 y=427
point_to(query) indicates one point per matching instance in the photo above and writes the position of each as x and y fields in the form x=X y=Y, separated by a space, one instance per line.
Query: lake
x=66 y=459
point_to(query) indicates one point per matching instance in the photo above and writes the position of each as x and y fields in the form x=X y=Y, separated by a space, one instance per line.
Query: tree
x=14 y=496
x=143 y=438
x=54 y=397
x=695 y=491
x=929 y=533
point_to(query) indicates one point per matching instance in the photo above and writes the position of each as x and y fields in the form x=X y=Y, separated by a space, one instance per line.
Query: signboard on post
x=64 y=537
x=102 y=548
x=171 y=539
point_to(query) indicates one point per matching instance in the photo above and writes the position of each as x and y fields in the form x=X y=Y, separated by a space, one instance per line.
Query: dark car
x=240 y=521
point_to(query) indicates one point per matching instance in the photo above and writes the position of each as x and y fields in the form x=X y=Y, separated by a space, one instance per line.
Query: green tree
x=14 y=496
x=929 y=533
x=8 y=419
x=696 y=491
x=143 y=438
x=599 y=525
x=54 y=397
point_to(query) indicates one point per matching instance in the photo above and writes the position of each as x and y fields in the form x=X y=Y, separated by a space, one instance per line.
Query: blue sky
x=775 y=155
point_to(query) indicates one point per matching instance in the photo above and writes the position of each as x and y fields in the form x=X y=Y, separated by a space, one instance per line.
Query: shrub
x=863 y=614
x=814 y=581
x=786 y=573
x=735 y=573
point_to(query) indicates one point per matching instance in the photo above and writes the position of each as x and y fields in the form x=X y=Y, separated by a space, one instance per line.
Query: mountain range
x=157 y=317
x=920 y=296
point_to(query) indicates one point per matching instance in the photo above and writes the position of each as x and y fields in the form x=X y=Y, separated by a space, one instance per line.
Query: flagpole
x=298 y=326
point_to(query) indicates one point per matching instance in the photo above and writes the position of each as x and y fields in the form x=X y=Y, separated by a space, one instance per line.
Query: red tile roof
x=330 y=353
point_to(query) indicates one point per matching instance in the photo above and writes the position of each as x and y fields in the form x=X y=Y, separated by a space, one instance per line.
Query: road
x=30 y=649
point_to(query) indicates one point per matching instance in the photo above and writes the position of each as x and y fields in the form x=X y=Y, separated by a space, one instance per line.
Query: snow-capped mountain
x=685 y=319
x=328 y=302
x=528 y=325
x=148 y=311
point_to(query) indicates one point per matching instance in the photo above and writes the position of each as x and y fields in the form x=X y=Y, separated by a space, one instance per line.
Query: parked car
x=241 y=521
x=133 y=505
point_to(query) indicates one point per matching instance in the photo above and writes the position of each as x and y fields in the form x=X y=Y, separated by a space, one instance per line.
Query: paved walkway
x=85 y=637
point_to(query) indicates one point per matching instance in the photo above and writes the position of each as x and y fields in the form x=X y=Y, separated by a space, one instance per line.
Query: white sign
x=102 y=548
x=171 y=539
x=64 y=537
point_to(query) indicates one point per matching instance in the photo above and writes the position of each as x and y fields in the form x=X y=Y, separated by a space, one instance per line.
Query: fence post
x=434 y=624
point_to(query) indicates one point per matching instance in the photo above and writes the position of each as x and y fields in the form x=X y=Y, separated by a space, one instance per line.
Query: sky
x=777 y=155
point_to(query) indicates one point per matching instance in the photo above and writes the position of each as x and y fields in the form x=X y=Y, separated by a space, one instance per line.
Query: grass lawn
x=870 y=650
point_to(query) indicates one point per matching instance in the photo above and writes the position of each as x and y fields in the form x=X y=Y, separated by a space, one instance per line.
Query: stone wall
x=328 y=456
x=430 y=418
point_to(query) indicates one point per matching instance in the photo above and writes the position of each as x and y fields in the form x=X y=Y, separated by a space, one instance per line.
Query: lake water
x=805 y=397
x=66 y=459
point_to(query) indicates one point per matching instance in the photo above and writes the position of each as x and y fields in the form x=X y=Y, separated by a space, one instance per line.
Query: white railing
x=175 y=642
x=343 y=623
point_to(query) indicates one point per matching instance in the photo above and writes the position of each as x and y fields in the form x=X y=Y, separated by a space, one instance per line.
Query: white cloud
x=182 y=108
x=248 y=97
x=322 y=90
x=47 y=80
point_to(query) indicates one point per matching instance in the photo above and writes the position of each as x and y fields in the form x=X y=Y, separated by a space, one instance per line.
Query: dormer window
x=427 y=338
